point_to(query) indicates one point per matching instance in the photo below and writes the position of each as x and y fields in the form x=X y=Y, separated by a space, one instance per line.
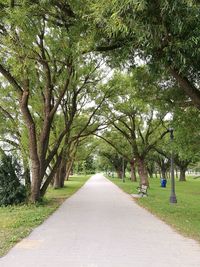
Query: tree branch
x=186 y=85
x=10 y=79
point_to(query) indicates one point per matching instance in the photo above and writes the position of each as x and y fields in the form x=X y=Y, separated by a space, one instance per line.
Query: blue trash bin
x=163 y=182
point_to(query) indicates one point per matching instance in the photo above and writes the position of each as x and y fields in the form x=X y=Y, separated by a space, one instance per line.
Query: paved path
x=100 y=226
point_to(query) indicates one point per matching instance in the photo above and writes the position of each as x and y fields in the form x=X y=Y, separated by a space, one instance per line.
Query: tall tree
x=42 y=60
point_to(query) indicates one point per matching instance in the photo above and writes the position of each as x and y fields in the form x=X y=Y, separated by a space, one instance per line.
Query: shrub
x=11 y=190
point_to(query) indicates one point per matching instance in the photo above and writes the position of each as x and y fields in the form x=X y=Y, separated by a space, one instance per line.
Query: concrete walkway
x=100 y=226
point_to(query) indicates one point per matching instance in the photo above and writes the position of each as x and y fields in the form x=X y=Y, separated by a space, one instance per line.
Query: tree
x=186 y=142
x=42 y=62
x=164 y=34
x=85 y=156
x=83 y=126
x=135 y=118
x=112 y=159
x=121 y=147
x=185 y=146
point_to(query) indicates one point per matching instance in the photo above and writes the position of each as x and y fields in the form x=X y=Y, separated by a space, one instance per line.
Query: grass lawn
x=183 y=216
x=16 y=222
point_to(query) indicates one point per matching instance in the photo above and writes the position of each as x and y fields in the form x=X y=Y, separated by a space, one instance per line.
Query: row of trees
x=54 y=92
x=164 y=35
x=49 y=96
x=139 y=123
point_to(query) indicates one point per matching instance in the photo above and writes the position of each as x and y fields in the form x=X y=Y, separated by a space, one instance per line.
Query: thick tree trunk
x=56 y=180
x=36 y=182
x=33 y=153
x=62 y=173
x=142 y=170
x=59 y=176
x=133 y=173
x=182 y=177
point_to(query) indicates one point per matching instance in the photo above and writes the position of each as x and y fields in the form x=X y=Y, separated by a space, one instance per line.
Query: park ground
x=183 y=216
x=101 y=226
x=17 y=222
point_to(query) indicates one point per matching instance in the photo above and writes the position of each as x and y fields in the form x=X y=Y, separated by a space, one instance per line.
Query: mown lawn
x=183 y=216
x=16 y=222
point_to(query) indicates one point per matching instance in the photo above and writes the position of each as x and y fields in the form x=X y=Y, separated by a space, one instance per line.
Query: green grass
x=183 y=216
x=16 y=222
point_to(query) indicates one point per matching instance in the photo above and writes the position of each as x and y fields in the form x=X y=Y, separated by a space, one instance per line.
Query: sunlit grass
x=16 y=222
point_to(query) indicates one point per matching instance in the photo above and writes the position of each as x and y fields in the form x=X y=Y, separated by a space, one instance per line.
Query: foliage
x=90 y=164
x=53 y=87
x=164 y=34
x=187 y=133
x=43 y=65
x=11 y=190
x=135 y=119
x=185 y=145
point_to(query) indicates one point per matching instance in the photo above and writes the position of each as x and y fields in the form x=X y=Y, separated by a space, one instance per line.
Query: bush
x=11 y=190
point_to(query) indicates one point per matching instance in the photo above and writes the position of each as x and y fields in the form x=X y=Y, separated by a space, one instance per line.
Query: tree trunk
x=60 y=176
x=27 y=179
x=33 y=153
x=182 y=177
x=119 y=173
x=62 y=173
x=133 y=174
x=176 y=172
x=51 y=175
x=68 y=169
x=56 y=183
x=26 y=175
x=150 y=172
x=163 y=173
x=142 y=170
x=168 y=174
x=36 y=183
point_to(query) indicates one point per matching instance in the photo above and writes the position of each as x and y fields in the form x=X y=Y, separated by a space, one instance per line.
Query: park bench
x=142 y=190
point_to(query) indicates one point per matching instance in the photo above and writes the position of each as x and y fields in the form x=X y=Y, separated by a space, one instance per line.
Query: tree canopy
x=123 y=71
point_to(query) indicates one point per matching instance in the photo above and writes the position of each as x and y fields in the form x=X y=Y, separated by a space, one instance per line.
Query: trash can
x=163 y=182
